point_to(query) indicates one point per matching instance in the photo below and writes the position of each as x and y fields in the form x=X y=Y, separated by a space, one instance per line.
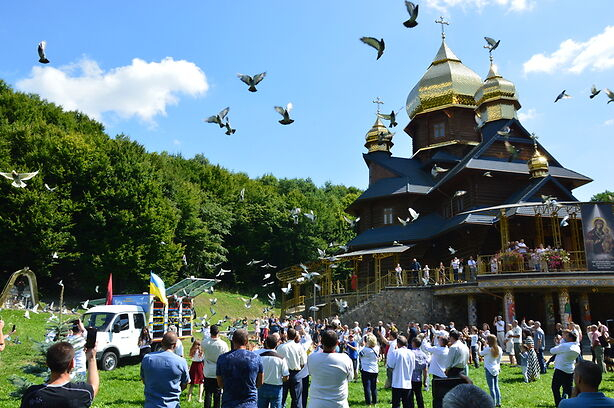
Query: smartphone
x=13 y=329
x=90 y=341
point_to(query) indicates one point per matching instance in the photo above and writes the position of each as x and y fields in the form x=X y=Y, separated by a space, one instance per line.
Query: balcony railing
x=512 y=262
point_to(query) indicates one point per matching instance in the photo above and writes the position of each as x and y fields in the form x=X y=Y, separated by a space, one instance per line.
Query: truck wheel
x=109 y=361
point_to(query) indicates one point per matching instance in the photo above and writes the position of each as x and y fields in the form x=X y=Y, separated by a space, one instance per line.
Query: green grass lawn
x=231 y=304
x=122 y=387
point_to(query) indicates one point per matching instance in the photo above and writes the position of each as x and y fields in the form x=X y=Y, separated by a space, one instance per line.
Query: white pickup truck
x=119 y=325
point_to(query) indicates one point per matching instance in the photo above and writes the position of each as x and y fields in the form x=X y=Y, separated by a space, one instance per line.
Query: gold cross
x=443 y=22
x=379 y=102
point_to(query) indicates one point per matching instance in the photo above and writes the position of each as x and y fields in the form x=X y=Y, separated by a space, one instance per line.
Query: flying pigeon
x=266 y=276
x=379 y=45
x=303 y=267
x=42 y=58
x=212 y=311
x=229 y=129
x=594 y=91
x=268 y=266
x=285 y=112
x=248 y=302
x=185 y=260
x=460 y=193
x=548 y=200
x=492 y=44
x=396 y=243
x=610 y=95
x=413 y=214
x=252 y=81
x=479 y=121
x=562 y=95
x=351 y=222
x=316 y=307
x=341 y=304
x=310 y=215
x=35 y=308
x=222 y=272
x=436 y=170
x=61 y=283
x=242 y=195
x=268 y=284
x=344 y=248
x=26 y=314
x=300 y=280
x=564 y=221
x=219 y=118
x=452 y=250
x=487 y=174
x=512 y=150
x=54 y=255
x=96 y=289
x=213 y=301
x=272 y=298
x=505 y=131
x=412 y=9
x=85 y=304
x=18 y=178
x=321 y=253
x=310 y=275
x=49 y=188
x=392 y=118
x=287 y=289
x=404 y=221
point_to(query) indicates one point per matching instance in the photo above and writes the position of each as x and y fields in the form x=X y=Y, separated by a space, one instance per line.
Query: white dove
x=18 y=178
x=413 y=214
x=565 y=221
x=49 y=188
x=287 y=289
x=266 y=276
x=27 y=314
x=222 y=272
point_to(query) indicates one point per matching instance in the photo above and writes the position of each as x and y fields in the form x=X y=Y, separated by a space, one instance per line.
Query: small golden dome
x=447 y=82
x=538 y=165
x=496 y=98
x=379 y=138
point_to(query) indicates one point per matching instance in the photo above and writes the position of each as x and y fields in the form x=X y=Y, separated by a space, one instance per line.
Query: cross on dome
x=443 y=22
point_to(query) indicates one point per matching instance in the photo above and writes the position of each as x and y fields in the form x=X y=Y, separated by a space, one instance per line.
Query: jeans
x=402 y=396
x=599 y=357
x=388 y=382
x=493 y=386
x=212 y=392
x=541 y=361
x=455 y=273
x=517 y=353
x=269 y=396
x=561 y=379
x=369 y=384
x=296 y=390
x=416 y=388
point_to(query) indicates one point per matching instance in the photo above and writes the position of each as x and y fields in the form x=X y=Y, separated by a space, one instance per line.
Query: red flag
x=110 y=290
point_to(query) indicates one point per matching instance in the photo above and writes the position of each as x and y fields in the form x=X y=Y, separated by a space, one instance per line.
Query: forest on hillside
x=104 y=204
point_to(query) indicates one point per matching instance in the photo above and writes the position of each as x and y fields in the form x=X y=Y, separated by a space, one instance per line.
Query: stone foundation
x=409 y=304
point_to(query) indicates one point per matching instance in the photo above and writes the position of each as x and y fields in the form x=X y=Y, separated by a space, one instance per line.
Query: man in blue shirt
x=352 y=352
x=587 y=377
x=164 y=374
x=239 y=372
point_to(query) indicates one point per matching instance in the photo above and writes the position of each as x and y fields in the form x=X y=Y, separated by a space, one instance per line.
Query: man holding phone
x=77 y=339
x=59 y=389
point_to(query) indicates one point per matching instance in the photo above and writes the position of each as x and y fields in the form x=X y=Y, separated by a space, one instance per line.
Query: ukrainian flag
x=156 y=288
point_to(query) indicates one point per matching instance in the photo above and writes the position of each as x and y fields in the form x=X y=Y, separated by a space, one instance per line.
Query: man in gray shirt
x=540 y=345
x=458 y=356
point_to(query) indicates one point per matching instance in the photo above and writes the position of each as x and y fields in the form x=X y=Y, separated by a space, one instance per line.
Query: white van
x=119 y=327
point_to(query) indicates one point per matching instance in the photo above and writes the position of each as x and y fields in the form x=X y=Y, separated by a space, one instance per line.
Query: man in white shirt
x=458 y=356
x=499 y=324
x=77 y=339
x=402 y=361
x=517 y=340
x=330 y=373
x=275 y=371
x=439 y=358
x=213 y=347
x=566 y=353
x=392 y=345
x=296 y=358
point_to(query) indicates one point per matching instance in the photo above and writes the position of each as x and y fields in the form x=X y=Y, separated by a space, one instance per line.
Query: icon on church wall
x=598 y=229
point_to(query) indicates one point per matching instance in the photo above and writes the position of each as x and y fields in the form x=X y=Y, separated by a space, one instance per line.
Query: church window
x=387 y=216
x=439 y=130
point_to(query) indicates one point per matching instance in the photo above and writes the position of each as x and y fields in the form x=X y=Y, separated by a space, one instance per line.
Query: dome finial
x=538 y=164
x=443 y=22
x=379 y=102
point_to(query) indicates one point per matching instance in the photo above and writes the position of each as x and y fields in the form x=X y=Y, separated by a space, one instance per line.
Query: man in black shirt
x=59 y=392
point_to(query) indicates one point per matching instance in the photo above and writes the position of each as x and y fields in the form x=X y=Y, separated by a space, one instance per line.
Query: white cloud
x=597 y=54
x=528 y=115
x=176 y=142
x=609 y=122
x=511 y=5
x=142 y=89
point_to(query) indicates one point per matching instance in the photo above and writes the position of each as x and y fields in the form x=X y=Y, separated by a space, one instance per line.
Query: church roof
x=530 y=193
x=426 y=227
x=447 y=82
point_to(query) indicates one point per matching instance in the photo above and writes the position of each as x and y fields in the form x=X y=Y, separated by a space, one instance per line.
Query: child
x=524 y=355
x=197 y=375
x=474 y=346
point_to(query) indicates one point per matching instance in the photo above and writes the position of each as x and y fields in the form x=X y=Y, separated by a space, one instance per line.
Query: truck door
x=139 y=323
x=121 y=334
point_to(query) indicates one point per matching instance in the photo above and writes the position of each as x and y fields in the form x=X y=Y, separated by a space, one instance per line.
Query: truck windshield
x=98 y=320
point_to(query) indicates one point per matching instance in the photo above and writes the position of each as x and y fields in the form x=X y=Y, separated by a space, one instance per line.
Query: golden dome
x=447 y=82
x=379 y=138
x=496 y=98
x=538 y=165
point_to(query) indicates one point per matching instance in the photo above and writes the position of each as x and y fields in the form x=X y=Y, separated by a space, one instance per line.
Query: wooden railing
x=495 y=264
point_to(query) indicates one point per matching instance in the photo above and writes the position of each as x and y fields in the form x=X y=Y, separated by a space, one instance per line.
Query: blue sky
x=189 y=55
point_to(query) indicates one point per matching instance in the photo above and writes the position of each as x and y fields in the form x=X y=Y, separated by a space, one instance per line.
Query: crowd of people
x=309 y=363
